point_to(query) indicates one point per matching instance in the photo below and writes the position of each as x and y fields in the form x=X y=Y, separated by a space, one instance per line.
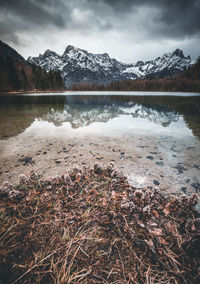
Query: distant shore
x=33 y=91
x=77 y=91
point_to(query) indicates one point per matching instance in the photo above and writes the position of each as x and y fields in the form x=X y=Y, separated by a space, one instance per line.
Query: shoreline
x=33 y=91
x=89 y=91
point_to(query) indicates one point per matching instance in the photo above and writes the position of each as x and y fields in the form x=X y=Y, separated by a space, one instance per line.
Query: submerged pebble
x=156 y=182
x=160 y=163
x=149 y=157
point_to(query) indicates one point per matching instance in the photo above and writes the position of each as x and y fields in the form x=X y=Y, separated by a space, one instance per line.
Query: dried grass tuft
x=92 y=226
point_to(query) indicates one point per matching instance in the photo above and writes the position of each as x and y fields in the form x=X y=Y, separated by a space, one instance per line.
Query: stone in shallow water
x=196 y=186
x=180 y=168
x=184 y=189
x=26 y=160
x=196 y=166
x=156 y=182
x=149 y=157
x=160 y=163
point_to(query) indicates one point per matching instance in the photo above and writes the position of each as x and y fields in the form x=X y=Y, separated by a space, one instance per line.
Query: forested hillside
x=16 y=74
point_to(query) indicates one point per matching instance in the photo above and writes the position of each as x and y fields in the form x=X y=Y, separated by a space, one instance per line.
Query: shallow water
x=154 y=138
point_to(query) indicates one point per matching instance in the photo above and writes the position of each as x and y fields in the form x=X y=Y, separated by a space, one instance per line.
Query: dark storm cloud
x=35 y=11
x=24 y=15
x=177 y=18
x=173 y=19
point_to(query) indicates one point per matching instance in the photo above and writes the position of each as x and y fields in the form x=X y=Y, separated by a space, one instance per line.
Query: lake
x=154 y=138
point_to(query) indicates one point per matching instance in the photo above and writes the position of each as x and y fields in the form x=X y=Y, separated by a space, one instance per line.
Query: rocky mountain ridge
x=79 y=66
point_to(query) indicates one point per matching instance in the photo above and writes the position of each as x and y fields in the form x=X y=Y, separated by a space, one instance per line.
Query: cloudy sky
x=128 y=30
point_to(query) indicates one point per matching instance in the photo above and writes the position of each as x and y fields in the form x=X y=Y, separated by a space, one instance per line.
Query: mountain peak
x=70 y=48
x=178 y=52
x=49 y=52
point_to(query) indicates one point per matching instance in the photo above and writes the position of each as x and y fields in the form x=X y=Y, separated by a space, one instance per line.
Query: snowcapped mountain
x=77 y=66
x=168 y=65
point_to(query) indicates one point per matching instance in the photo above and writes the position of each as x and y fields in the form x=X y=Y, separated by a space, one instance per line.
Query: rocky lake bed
x=145 y=161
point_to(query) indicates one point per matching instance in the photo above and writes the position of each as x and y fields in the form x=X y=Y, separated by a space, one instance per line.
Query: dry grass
x=91 y=226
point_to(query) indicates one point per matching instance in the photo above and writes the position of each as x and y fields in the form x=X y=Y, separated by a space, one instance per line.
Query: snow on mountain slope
x=50 y=60
x=78 y=65
x=168 y=65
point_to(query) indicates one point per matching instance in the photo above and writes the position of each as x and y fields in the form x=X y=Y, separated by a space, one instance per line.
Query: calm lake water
x=153 y=137
x=108 y=113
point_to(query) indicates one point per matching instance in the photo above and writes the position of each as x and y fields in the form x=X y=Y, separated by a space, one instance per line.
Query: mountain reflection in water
x=17 y=112
x=84 y=115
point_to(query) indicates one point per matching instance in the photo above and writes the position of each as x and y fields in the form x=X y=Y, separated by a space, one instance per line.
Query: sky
x=128 y=30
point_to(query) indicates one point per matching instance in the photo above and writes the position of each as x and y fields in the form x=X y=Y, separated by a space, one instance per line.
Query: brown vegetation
x=91 y=226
